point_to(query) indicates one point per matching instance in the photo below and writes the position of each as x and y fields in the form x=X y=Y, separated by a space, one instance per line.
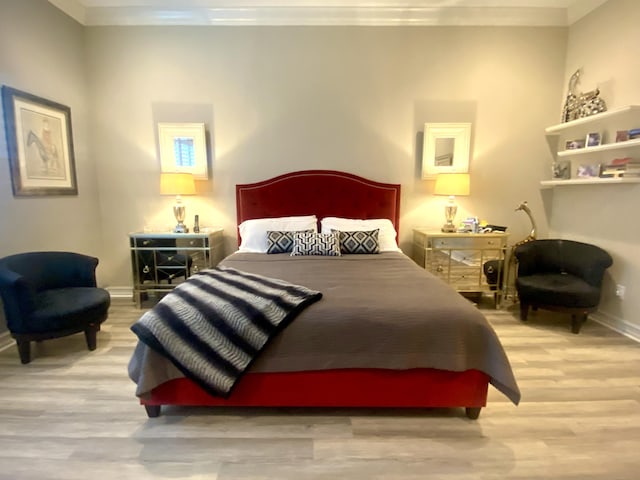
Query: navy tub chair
x=51 y=294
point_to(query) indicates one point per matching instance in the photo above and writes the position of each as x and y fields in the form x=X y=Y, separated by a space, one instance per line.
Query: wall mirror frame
x=183 y=149
x=446 y=148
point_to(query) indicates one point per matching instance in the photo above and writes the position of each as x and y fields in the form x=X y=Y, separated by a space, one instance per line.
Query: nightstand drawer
x=173 y=242
x=193 y=242
x=466 y=242
x=152 y=242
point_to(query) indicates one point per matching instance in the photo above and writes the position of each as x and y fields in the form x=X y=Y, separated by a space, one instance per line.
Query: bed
x=385 y=334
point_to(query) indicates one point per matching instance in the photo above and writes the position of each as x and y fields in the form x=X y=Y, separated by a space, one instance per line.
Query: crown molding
x=287 y=13
x=74 y=9
x=577 y=10
x=361 y=16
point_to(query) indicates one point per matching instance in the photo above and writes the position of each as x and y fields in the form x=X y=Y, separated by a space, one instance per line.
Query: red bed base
x=415 y=388
x=330 y=193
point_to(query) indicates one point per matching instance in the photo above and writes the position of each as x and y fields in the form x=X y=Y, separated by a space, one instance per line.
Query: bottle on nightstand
x=196 y=224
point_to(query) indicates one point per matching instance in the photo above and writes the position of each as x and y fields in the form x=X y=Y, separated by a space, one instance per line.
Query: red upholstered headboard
x=325 y=193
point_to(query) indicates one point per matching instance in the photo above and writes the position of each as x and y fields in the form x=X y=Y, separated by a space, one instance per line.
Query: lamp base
x=181 y=228
x=450 y=210
x=179 y=213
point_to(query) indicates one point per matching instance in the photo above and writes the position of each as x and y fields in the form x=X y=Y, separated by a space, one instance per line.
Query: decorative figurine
x=571 y=104
x=591 y=103
x=583 y=104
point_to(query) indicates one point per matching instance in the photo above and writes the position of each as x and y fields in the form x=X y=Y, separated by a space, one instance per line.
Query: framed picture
x=622 y=135
x=575 y=144
x=593 y=139
x=588 y=171
x=40 y=145
x=445 y=148
x=183 y=149
x=561 y=170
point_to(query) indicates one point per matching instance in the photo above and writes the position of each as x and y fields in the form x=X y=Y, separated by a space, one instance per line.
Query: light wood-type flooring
x=72 y=414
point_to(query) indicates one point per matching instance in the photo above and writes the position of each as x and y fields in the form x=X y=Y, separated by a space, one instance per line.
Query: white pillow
x=386 y=236
x=254 y=232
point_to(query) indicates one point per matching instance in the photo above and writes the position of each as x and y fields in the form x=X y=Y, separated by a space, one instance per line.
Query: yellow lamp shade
x=177 y=184
x=452 y=184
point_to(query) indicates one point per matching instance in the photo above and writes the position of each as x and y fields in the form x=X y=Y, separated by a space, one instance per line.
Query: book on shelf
x=620 y=167
x=611 y=174
x=621 y=161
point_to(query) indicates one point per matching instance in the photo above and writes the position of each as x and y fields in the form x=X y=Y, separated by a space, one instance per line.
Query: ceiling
x=328 y=12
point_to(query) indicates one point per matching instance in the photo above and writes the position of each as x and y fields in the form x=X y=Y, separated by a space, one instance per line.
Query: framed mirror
x=446 y=148
x=183 y=149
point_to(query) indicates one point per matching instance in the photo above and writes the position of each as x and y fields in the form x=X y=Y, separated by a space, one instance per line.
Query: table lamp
x=451 y=184
x=178 y=184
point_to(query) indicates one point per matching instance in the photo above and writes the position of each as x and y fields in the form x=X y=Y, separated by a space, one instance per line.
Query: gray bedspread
x=377 y=311
x=213 y=326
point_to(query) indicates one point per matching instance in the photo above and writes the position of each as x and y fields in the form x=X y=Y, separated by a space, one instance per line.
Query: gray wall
x=42 y=52
x=348 y=98
x=277 y=99
x=607 y=214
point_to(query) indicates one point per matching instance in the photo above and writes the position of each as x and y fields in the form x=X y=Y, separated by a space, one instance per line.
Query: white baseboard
x=617 y=324
x=5 y=341
x=120 y=292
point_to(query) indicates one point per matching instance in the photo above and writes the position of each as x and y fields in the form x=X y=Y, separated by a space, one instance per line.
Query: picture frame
x=561 y=170
x=593 y=139
x=622 y=136
x=575 y=144
x=445 y=148
x=40 y=145
x=588 y=171
x=183 y=149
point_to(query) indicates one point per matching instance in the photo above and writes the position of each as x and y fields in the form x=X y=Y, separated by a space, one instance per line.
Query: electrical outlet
x=620 y=291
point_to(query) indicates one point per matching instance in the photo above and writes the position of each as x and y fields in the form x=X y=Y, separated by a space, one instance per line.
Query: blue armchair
x=51 y=294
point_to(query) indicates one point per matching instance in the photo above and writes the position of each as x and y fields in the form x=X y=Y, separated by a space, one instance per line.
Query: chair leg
x=577 y=319
x=524 y=310
x=24 y=350
x=90 y=334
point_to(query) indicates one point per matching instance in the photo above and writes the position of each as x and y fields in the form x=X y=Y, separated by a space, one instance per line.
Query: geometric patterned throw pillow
x=327 y=244
x=281 y=242
x=359 y=242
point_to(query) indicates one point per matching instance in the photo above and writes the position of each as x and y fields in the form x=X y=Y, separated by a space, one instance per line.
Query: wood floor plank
x=73 y=413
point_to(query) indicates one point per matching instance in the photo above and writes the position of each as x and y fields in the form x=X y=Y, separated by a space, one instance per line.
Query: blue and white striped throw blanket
x=215 y=324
